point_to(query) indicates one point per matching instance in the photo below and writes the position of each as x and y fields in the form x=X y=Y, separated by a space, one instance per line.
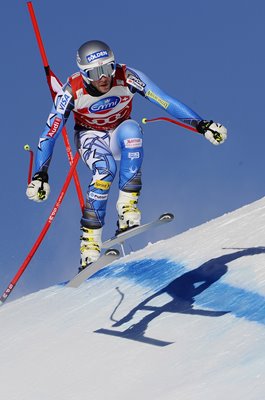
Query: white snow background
x=182 y=319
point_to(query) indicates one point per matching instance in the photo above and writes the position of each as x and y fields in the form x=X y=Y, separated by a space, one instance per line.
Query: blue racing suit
x=105 y=133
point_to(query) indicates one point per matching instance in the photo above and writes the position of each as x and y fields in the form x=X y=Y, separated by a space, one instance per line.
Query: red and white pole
x=47 y=225
x=50 y=75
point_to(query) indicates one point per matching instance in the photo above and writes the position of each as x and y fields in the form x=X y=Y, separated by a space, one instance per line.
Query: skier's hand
x=214 y=132
x=38 y=190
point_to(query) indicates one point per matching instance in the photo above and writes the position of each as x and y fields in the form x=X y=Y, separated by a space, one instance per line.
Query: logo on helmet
x=104 y=105
x=96 y=55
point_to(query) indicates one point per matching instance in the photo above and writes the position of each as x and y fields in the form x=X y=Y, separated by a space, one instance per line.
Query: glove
x=38 y=190
x=212 y=131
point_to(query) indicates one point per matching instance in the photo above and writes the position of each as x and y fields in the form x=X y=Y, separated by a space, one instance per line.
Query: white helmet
x=95 y=59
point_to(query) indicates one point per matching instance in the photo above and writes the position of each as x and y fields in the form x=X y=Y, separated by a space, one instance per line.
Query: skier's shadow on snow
x=182 y=292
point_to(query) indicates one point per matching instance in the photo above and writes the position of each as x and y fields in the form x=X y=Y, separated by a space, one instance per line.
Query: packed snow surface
x=181 y=319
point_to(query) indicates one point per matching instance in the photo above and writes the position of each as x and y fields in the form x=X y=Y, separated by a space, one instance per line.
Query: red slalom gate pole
x=173 y=121
x=47 y=225
x=49 y=76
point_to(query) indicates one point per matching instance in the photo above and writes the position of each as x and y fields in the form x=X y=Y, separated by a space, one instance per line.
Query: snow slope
x=181 y=319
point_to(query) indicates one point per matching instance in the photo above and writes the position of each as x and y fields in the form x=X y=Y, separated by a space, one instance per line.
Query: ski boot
x=129 y=214
x=90 y=246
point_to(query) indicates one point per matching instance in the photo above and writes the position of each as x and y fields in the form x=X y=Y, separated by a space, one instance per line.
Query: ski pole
x=50 y=80
x=31 y=155
x=41 y=236
x=173 y=121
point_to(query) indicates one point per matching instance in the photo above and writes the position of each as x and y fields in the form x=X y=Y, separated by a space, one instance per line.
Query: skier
x=100 y=96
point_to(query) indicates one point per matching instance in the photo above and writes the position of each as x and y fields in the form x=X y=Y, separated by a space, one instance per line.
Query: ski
x=108 y=257
x=121 y=237
x=111 y=255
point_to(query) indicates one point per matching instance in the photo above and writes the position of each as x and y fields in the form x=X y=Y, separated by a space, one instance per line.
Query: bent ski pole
x=47 y=225
x=31 y=155
x=54 y=84
x=173 y=121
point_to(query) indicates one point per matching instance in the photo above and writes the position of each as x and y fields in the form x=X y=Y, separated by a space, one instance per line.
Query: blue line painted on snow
x=239 y=302
x=198 y=291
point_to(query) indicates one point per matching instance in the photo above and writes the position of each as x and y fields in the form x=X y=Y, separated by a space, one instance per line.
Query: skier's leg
x=96 y=154
x=129 y=137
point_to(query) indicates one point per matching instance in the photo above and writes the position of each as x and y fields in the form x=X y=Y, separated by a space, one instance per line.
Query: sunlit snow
x=181 y=319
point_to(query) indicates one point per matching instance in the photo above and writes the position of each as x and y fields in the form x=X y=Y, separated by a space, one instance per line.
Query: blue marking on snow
x=199 y=291
x=240 y=302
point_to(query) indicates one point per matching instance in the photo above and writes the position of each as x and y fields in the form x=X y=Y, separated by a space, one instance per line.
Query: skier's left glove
x=38 y=190
x=214 y=132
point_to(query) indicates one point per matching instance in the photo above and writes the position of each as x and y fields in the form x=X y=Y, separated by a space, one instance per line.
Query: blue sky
x=208 y=54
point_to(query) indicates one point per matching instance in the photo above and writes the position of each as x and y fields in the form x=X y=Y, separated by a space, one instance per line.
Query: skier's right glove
x=38 y=190
x=212 y=131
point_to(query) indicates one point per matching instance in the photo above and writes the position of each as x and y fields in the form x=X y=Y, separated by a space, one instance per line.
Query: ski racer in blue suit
x=100 y=97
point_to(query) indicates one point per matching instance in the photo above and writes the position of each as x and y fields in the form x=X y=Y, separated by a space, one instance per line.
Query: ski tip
x=112 y=252
x=166 y=216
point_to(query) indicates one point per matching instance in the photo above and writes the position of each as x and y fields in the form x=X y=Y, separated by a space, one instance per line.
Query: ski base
x=107 y=258
x=121 y=237
x=111 y=254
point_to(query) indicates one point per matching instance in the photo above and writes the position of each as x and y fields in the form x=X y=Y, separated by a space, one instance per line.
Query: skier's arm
x=214 y=132
x=39 y=189
x=63 y=104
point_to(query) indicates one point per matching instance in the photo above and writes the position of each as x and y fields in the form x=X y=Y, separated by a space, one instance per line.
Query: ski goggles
x=96 y=73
